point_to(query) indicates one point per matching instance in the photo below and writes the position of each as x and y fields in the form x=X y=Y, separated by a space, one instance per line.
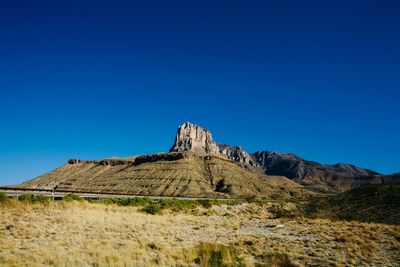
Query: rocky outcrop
x=191 y=137
x=74 y=161
x=237 y=153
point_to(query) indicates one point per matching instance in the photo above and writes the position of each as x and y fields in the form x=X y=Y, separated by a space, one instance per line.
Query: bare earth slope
x=173 y=174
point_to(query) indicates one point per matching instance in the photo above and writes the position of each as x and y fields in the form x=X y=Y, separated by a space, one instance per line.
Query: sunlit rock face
x=191 y=137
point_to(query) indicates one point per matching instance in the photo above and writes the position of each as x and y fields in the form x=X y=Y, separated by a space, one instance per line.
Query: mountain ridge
x=325 y=177
x=196 y=165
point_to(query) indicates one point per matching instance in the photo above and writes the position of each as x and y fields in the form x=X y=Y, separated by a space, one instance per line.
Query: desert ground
x=79 y=233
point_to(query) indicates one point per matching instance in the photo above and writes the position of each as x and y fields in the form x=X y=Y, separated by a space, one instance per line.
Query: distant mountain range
x=323 y=177
x=197 y=166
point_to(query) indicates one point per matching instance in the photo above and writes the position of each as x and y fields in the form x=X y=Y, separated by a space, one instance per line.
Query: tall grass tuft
x=3 y=198
x=216 y=255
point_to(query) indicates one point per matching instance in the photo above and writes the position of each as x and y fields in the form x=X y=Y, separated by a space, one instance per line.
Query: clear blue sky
x=94 y=79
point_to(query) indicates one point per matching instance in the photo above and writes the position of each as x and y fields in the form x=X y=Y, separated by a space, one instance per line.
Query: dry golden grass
x=87 y=234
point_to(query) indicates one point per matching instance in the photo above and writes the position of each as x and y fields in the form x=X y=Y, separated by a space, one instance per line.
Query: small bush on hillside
x=310 y=210
x=177 y=204
x=139 y=201
x=152 y=209
x=41 y=199
x=251 y=198
x=107 y=201
x=278 y=259
x=125 y=201
x=136 y=201
x=206 y=203
x=3 y=197
x=280 y=212
x=72 y=197
x=26 y=197
x=33 y=198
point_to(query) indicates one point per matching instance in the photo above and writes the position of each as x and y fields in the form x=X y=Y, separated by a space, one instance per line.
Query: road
x=60 y=194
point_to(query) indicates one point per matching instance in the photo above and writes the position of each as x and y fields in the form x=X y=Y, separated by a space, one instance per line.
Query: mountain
x=191 y=137
x=184 y=174
x=321 y=177
x=197 y=166
x=309 y=173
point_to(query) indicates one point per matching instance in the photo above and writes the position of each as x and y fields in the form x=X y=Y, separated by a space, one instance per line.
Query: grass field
x=78 y=233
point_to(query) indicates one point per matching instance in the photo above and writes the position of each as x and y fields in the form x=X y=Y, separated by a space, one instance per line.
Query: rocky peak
x=191 y=137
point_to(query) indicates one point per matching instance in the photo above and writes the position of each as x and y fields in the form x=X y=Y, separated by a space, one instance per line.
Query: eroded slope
x=171 y=174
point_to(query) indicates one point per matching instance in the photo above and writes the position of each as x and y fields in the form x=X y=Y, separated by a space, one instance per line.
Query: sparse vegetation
x=31 y=198
x=72 y=197
x=369 y=203
x=124 y=232
x=125 y=201
x=155 y=206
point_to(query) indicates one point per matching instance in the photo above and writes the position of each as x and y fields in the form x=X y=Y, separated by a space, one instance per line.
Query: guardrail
x=111 y=194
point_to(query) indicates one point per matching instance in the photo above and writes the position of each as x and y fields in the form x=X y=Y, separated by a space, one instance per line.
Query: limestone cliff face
x=191 y=137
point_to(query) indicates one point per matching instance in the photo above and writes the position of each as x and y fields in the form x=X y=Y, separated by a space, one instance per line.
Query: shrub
x=279 y=259
x=72 y=197
x=206 y=203
x=177 y=204
x=107 y=201
x=3 y=197
x=26 y=197
x=125 y=201
x=41 y=199
x=251 y=198
x=33 y=198
x=280 y=212
x=138 y=201
x=152 y=209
